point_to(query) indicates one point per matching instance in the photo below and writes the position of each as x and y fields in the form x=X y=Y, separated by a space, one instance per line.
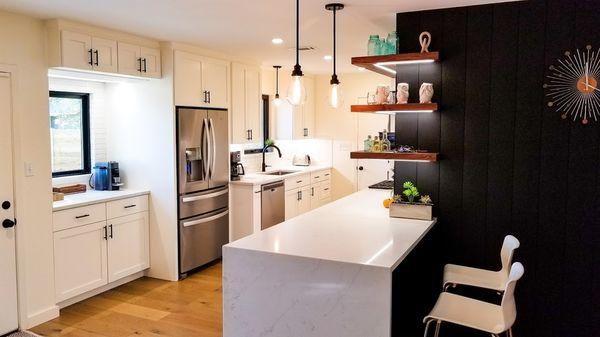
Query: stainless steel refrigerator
x=203 y=185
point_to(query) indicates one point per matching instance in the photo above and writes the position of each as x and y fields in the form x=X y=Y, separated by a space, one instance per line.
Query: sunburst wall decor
x=572 y=85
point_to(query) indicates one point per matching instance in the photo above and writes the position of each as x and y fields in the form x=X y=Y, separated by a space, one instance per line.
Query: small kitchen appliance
x=106 y=176
x=301 y=160
x=237 y=168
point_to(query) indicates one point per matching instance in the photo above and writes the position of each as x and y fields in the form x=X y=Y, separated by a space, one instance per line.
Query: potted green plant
x=406 y=206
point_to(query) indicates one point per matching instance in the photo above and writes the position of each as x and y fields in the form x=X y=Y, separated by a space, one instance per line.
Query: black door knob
x=7 y=223
x=6 y=204
x=360 y=168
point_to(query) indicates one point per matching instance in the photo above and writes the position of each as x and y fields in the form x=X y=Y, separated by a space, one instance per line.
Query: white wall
x=347 y=130
x=22 y=40
x=141 y=138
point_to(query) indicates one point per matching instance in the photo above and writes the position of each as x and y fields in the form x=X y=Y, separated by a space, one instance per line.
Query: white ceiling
x=243 y=28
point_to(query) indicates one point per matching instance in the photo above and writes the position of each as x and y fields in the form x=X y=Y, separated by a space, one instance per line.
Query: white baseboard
x=99 y=290
x=41 y=317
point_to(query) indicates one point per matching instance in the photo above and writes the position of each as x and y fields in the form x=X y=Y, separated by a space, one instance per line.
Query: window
x=70 y=133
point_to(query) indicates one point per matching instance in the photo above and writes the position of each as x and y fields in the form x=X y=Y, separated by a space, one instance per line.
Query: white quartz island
x=327 y=272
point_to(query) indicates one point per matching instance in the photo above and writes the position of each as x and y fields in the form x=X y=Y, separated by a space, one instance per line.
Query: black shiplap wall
x=509 y=163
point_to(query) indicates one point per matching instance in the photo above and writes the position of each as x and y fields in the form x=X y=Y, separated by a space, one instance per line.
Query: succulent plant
x=426 y=199
x=410 y=191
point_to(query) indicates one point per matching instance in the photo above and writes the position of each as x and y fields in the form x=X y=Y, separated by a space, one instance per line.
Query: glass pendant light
x=335 y=99
x=296 y=94
x=277 y=100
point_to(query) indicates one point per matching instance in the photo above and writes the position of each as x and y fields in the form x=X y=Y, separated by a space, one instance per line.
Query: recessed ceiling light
x=327 y=57
x=277 y=40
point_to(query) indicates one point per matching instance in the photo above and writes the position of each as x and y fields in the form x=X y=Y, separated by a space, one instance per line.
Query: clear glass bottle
x=392 y=42
x=376 y=145
x=372 y=45
x=381 y=47
x=368 y=143
x=386 y=145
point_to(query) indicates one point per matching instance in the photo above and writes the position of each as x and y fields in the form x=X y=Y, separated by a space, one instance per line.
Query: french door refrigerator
x=203 y=185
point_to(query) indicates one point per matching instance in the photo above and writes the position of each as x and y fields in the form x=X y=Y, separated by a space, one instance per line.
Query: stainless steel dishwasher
x=272 y=204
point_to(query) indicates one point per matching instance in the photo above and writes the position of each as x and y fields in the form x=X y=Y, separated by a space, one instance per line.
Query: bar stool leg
x=437 y=328
x=510 y=332
x=426 y=328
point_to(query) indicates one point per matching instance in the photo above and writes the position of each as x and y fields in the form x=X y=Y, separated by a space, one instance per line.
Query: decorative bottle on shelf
x=376 y=145
x=392 y=42
x=368 y=143
x=386 y=145
x=372 y=45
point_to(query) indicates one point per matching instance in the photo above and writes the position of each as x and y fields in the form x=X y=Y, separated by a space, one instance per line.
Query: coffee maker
x=237 y=169
x=106 y=176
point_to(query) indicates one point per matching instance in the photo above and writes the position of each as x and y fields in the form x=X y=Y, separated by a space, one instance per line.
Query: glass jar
x=392 y=42
x=372 y=45
x=376 y=145
x=386 y=145
x=381 y=48
x=368 y=143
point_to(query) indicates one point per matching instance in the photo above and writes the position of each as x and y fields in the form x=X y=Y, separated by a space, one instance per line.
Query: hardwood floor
x=147 y=307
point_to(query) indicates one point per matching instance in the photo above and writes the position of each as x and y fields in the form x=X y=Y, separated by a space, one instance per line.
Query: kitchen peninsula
x=327 y=272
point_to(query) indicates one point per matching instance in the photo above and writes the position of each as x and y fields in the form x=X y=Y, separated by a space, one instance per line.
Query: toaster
x=301 y=160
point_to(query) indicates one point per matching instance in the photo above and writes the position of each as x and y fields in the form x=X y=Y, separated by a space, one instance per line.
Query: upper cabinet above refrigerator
x=201 y=81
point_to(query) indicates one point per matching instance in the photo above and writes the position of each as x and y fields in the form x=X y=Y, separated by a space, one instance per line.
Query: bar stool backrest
x=509 y=308
x=509 y=246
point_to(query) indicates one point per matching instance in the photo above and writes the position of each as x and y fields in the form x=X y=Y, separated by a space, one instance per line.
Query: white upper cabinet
x=139 y=61
x=296 y=122
x=200 y=81
x=76 y=46
x=76 y=50
x=246 y=112
x=104 y=55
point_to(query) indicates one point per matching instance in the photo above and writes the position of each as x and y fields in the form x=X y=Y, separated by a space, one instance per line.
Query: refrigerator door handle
x=213 y=154
x=205 y=196
x=205 y=154
x=205 y=220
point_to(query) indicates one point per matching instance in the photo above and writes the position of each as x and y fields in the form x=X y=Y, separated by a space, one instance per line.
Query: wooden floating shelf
x=405 y=156
x=393 y=108
x=385 y=64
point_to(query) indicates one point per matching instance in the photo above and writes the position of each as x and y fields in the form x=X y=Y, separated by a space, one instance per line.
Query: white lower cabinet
x=80 y=260
x=304 y=193
x=90 y=255
x=128 y=250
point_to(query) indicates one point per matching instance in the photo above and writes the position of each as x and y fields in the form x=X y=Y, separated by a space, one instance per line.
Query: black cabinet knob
x=360 y=168
x=6 y=204
x=7 y=223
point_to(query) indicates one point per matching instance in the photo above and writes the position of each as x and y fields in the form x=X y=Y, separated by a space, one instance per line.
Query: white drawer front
x=122 y=207
x=79 y=216
x=318 y=176
x=297 y=182
x=325 y=188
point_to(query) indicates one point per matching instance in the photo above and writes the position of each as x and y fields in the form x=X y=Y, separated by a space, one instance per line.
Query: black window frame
x=85 y=132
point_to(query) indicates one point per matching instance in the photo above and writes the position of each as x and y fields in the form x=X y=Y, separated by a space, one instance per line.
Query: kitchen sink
x=279 y=173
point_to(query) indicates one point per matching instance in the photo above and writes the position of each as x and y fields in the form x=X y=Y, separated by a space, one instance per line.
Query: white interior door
x=8 y=274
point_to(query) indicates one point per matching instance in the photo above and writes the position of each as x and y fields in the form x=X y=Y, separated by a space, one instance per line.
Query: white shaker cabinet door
x=253 y=104
x=214 y=82
x=292 y=199
x=80 y=262
x=151 y=65
x=128 y=251
x=76 y=50
x=105 y=55
x=188 y=80
x=130 y=61
x=305 y=198
x=239 y=132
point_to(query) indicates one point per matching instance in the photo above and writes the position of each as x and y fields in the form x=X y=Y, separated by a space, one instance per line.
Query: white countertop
x=93 y=197
x=259 y=178
x=355 y=229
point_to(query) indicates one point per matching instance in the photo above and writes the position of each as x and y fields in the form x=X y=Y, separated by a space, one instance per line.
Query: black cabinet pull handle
x=251 y=134
x=208 y=97
x=298 y=181
x=111 y=231
x=140 y=64
x=105 y=233
x=299 y=195
x=130 y=206
x=326 y=189
x=145 y=69
x=8 y=223
x=305 y=132
x=82 y=216
x=312 y=191
x=97 y=57
x=91 y=62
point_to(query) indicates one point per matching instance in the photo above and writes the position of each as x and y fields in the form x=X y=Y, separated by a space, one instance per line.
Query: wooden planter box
x=411 y=211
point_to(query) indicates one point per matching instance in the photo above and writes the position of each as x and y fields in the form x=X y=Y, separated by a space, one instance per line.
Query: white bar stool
x=481 y=278
x=475 y=314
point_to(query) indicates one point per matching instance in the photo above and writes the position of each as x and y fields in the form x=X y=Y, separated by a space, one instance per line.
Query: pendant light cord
x=334 y=35
x=297 y=32
x=277 y=82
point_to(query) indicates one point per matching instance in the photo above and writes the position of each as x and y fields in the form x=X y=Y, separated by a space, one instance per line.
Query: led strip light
x=383 y=65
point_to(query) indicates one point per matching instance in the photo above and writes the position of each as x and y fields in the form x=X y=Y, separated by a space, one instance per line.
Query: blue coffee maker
x=101 y=177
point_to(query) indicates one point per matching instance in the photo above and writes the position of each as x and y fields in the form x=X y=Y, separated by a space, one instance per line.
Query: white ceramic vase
x=402 y=93
x=382 y=94
x=426 y=93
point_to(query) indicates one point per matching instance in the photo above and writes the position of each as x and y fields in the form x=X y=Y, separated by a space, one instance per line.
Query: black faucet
x=264 y=166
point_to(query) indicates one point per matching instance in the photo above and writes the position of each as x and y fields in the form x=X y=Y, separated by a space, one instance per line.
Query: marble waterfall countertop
x=260 y=178
x=355 y=229
x=93 y=197
x=327 y=272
